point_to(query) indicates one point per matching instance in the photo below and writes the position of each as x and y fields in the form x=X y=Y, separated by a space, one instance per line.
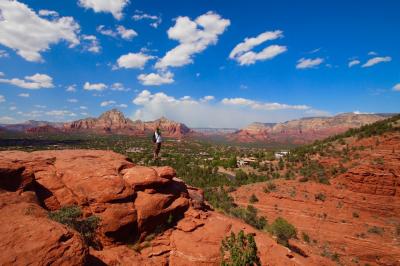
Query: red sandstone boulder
x=28 y=237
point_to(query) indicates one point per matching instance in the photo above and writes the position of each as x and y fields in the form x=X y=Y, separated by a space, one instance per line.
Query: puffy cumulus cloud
x=2 y=99
x=304 y=63
x=133 y=60
x=376 y=60
x=156 y=79
x=94 y=86
x=117 y=86
x=121 y=31
x=91 y=43
x=233 y=112
x=396 y=87
x=22 y=30
x=125 y=33
x=24 y=95
x=193 y=37
x=114 y=7
x=71 y=88
x=140 y=15
x=37 y=81
x=107 y=103
x=354 y=62
x=244 y=56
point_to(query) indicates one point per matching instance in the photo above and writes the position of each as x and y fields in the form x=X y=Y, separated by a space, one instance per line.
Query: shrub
x=356 y=215
x=239 y=250
x=283 y=230
x=376 y=230
x=72 y=217
x=253 y=198
x=305 y=237
x=320 y=196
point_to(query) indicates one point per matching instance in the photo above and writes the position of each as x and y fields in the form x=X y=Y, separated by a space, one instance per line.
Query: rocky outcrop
x=115 y=122
x=150 y=206
x=304 y=130
x=28 y=237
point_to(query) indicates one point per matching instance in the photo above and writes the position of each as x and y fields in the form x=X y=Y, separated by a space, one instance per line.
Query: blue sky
x=191 y=61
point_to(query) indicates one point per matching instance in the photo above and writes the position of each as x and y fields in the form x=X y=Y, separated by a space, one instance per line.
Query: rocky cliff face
x=115 y=122
x=357 y=216
x=132 y=202
x=304 y=130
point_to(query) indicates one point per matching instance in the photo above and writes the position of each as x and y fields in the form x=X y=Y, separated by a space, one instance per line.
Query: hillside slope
x=344 y=197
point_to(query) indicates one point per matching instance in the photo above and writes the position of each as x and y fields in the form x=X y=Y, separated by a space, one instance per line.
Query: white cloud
x=12 y=108
x=122 y=105
x=156 y=79
x=117 y=86
x=83 y=107
x=121 y=31
x=2 y=99
x=60 y=113
x=262 y=106
x=304 y=63
x=244 y=56
x=72 y=100
x=199 y=113
x=24 y=95
x=94 y=86
x=6 y=119
x=396 y=87
x=91 y=43
x=354 y=62
x=377 y=60
x=37 y=81
x=1 y=74
x=48 y=13
x=22 y=30
x=133 y=60
x=3 y=54
x=207 y=98
x=156 y=20
x=107 y=103
x=372 y=53
x=193 y=37
x=108 y=32
x=126 y=34
x=71 y=88
x=114 y=7
x=40 y=106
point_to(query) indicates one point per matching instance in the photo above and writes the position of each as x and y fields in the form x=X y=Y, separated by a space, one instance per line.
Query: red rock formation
x=359 y=219
x=115 y=122
x=132 y=203
x=304 y=130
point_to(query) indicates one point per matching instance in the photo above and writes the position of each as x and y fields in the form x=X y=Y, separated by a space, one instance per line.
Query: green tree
x=239 y=250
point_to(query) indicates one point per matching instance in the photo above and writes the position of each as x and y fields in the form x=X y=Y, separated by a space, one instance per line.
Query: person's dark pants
x=157 y=148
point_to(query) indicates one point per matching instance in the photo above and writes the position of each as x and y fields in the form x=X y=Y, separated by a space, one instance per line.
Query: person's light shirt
x=158 y=137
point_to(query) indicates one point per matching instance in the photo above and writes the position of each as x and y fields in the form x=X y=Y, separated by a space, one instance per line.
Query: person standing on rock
x=157 y=143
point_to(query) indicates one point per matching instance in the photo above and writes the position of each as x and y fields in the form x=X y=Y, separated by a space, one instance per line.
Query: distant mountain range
x=110 y=122
x=298 y=131
x=304 y=130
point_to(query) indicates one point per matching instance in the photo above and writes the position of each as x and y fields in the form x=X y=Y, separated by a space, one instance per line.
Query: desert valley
x=199 y=133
